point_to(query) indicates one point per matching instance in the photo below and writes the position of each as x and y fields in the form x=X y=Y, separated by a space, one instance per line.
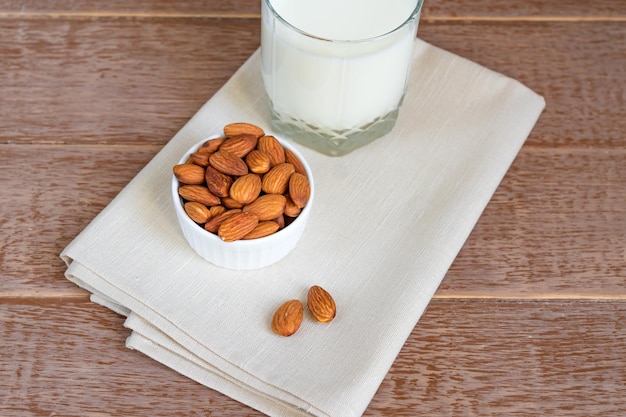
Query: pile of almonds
x=243 y=185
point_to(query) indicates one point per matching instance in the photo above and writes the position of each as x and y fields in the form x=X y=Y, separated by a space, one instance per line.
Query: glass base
x=331 y=142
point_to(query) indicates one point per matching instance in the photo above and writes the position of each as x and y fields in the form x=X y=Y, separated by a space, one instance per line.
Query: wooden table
x=531 y=318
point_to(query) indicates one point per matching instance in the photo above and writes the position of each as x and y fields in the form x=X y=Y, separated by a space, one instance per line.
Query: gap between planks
x=124 y=147
x=139 y=15
x=529 y=297
x=80 y=295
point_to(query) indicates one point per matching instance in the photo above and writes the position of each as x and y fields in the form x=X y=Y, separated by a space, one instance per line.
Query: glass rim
x=412 y=16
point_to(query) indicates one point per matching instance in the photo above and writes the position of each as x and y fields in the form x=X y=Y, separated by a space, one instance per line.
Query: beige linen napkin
x=387 y=222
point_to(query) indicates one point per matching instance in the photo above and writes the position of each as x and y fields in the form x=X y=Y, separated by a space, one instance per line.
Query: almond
x=213 y=224
x=216 y=210
x=272 y=147
x=217 y=182
x=262 y=229
x=291 y=209
x=299 y=189
x=211 y=145
x=276 y=180
x=189 y=173
x=197 y=212
x=267 y=207
x=234 y=129
x=288 y=318
x=281 y=221
x=199 y=158
x=239 y=145
x=231 y=203
x=199 y=194
x=258 y=162
x=321 y=304
x=246 y=188
x=227 y=163
x=295 y=161
x=237 y=226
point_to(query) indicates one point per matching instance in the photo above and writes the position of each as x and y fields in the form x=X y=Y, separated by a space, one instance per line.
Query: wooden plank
x=137 y=8
x=68 y=358
x=463 y=358
x=510 y=358
x=574 y=66
x=554 y=228
x=524 y=10
x=112 y=80
x=431 y=9
x=117 y=81
x=60 y=192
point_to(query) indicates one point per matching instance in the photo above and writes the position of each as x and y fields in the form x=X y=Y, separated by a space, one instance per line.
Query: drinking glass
x=335 y=71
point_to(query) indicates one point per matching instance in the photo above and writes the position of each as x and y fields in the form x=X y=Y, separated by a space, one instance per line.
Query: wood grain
x=112 y=81
x=557 y=10
x=52 y=200
x=128 y=81
x=136 y=8
x=463 y=358
x=475 y=9
x=82 y=345
x=556 y=227
x=577 y=78
x=509 y=359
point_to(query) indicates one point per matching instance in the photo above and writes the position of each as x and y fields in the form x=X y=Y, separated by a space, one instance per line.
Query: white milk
x=337 y=85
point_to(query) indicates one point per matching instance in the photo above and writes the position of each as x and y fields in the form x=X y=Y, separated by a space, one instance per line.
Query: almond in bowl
x=242 y=197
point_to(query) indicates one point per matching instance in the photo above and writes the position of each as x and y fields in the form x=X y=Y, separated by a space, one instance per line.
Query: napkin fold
x=387 y=222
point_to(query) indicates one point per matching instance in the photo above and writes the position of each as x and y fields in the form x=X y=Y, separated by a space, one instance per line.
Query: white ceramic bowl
x=242 y=254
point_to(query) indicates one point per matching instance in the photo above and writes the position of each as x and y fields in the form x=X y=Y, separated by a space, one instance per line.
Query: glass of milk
x=335 y=71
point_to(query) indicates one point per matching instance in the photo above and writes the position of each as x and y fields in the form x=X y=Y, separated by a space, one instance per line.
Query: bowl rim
x=241 y=243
